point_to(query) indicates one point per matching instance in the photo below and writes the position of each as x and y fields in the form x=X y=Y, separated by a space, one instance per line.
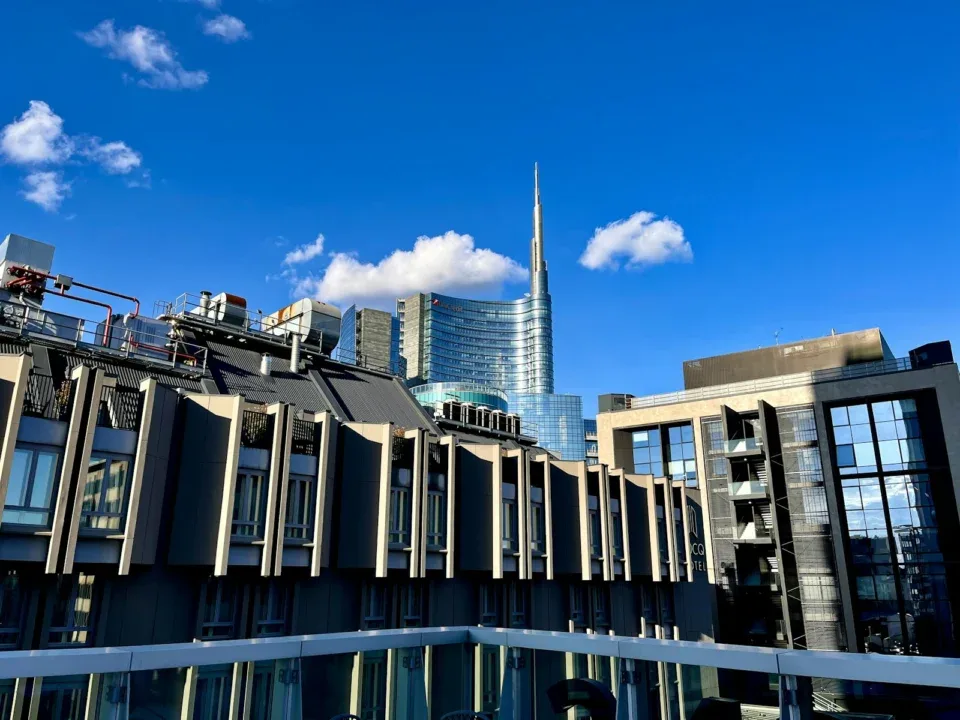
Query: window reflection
x=899 y=576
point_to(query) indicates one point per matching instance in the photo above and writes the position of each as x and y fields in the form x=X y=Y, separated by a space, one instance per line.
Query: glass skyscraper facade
x=503 y=344
x=902 y=600
x=435 y=394
x=558 y=420
x=506 y=344
x=370 y=338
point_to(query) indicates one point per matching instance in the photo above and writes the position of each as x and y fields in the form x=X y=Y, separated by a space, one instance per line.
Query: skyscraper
x=501 y=344
x=369 y=338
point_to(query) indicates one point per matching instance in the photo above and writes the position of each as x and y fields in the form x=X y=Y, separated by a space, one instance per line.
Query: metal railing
x=352 y=357
x=48 y=399
x=742 y=445
x=212 y=312
x=256 y=430
x=847 y=372
x=791 y=666
x=119 y=408
x=303 y=441
x=57 y=328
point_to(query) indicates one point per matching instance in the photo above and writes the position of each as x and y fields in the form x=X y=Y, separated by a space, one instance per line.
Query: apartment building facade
x=830 y=498
x=235 y=483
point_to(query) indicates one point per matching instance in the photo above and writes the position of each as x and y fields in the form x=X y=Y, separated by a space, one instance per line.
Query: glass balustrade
x=469 y=673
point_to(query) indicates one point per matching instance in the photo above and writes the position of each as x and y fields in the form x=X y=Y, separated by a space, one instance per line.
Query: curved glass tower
x=503 y=344
x=506 y=344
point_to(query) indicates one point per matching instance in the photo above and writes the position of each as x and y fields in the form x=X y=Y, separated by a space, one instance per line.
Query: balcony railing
x=747 y=488
x=48 y=399
x=743 y=445
x=115 y=665
x=257 y=430
x=302 y=442
x=847 y=372
x=119 y=408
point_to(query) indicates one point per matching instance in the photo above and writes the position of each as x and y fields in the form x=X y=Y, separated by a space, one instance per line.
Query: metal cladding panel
x=237 y=371
x=9 y=347
x=372 y=397
x=19 y=250
x=318 y=322
x=127 y=375
x=815 y=354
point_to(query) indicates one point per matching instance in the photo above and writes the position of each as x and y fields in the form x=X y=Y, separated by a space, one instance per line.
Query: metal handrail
x=351 y=357
x=29 y=321
x=893 y=669
x=846 y=372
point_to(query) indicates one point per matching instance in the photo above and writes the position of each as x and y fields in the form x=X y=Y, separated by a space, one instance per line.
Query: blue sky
x=806 y=154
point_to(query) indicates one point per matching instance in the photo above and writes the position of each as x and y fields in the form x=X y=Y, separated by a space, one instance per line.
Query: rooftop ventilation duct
x=295 y=353
x=265 y=364
x=223 y=308
x=317 y=323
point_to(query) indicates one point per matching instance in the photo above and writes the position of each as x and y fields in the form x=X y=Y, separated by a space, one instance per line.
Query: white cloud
x=149 y=52
x=447 y=263
x=47 y=189
x=641 y=239
x=227 y=27
x=305 y=253
x=36 y=137
x=208 y=4
x=117 y=158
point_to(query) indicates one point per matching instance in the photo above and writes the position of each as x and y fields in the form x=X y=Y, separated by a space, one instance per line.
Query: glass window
x=681 y=455
x=218 y=612
x=616 y=521
x=72 y=619
x=893 y=533
x=374 y=606
x=490 y=678
x=373 y=690
x=298 y=524
x=596 y=534
x=249 y=505
x=105 y=493
x=538 y=522
x=400 y=507
x=518 y=604
x=600 y=606
x=436 y=519
x=12 y=605
x=411 y=605
x=509 y=518
x=63 y=698
x=273 y=617
x=647 y=452
x=577 y=606
x=33 y=478
x=489 y=605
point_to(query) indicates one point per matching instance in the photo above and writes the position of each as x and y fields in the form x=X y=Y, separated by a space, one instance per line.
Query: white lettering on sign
x=697 y=549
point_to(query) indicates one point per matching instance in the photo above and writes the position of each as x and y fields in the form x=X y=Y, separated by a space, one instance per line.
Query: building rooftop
x=848 y=372
x=831 y=351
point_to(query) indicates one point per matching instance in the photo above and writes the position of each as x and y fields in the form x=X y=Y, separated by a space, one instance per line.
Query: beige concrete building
x=829 y=498
x=201 y=477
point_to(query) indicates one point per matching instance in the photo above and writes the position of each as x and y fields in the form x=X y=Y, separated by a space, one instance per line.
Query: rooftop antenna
x=776 y=335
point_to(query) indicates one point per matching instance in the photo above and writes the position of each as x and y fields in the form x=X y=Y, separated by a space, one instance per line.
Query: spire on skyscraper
x=538 y=266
